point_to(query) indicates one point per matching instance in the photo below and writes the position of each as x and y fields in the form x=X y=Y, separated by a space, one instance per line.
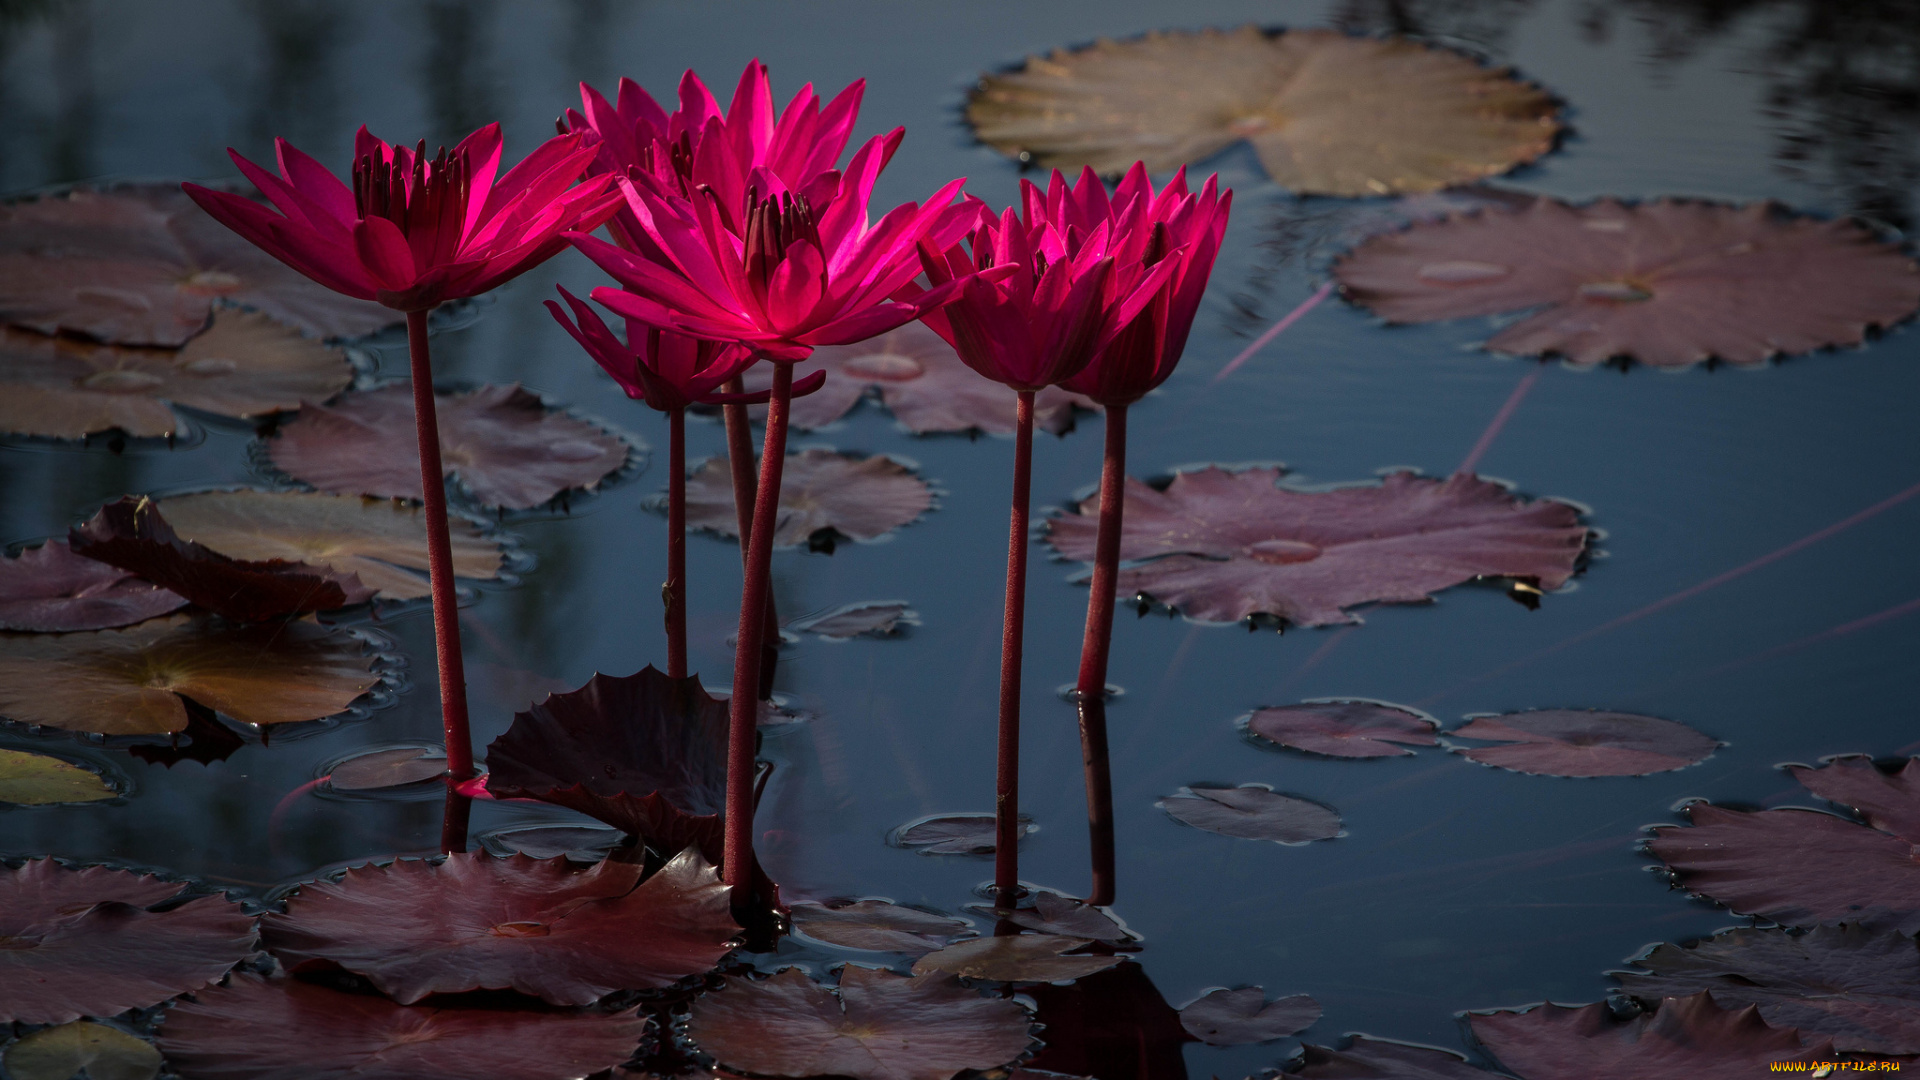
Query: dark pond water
x=1456 y=886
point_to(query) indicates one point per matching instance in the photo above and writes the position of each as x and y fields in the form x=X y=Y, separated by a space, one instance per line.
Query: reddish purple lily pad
x=142 y=265
x=504 y=444
x=873 y=618
x=923 y=382
x=878 y=1026
x=1687 y=1038
x=1379 y=1059
x=878 y=926
x=1858 y=987
x=1889 y=802
x=1225 y=546
x=1669 y=282
x=821 y=492
x=1252 y=812
x=86 y=942
x=285 y=1029
x=1064 y=916
x=1348 y=729
x=1584 y=742
x=543 y=927
x=645 y=753
x=955 y=834
x=1016 y=958
x=131 y=534
x=1243 y=1016
x=49 y=589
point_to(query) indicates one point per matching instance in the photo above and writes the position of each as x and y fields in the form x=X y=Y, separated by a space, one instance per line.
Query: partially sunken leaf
x=132 y=535
x=50 y=589
x=1113 y=1023
x=645 y=753
x=30 y=779
x=1349 y=729
x=1668 y=283
x=539 y=926
x=860 y=498
x=955 y=834
x=131 y=682
x=143 y=265
x=504 y=444
x=1858 y=987
x=1328 y=113
x=79 y=943
x=875 y=618
x=381 y=542
x=396 y=767
x=1243 y=1016
x=1067 y=917
x=1378 y=1059
x=880 y=1026
x=877 y=925
x=1019 y=958
x=1252 y=812
x=1229 y=545
x=1584 y=742
x=925 y=384
x=284 y=1029
x=245 y=365
x=1687 y=1038
x=1889 y=802
x=59 y=1053
x=587 y=843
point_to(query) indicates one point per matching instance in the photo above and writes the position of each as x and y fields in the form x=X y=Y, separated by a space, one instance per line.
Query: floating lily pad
x=587 y=843
x=59 y=1053
x=380 y=769
x=1378 y=1059
x=133 y=535
x=1252 y=812
x=143 y=265
x=1687 y=1037
x=879 y=1026
x=1243 y=1016
x=284 y=1029
x=132 y=681
x=30 y=779
x=1858 y=987
x=875 y=618
x=1889 y=802
x=821 y=492
x=923 y=382
x=245 y=365
x=543 y=927
x=1228 y=545
x=1669 y=283
x=1016 y=958
x=1067 y=917
x=1327 y=113
x=87 y=942
x=1349 y=729
x=878 y=926
x=50 y=589
x=381 y=542
x=955 y=834
x=1584 y=742
x=504 y=444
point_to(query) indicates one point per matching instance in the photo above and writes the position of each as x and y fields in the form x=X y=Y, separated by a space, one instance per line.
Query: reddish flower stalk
x=446 y=602
x=1006 y=795
x=675 y=590
x=740 y=463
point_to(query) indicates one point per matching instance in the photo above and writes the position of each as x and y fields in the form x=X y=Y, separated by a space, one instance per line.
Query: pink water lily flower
x=668 y=371
x=412 y=232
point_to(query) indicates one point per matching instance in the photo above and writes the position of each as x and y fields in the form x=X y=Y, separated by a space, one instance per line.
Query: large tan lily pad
x=378 y=540
x=106 y=1053
x=244 y=365
x=131 y=681
x=1328 y=113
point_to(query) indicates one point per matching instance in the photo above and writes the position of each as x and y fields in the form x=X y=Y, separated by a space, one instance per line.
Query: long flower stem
x=676 y=587
x=1091 y=687
x=1006 y=803
x=446 y=604
x=740 y=460
x=743 y=706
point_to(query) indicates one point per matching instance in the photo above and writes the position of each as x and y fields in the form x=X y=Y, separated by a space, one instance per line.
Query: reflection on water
x=1482 y=26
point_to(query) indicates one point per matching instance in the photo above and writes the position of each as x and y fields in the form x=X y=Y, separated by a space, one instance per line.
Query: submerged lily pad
x=1668 y=283
x=1110 y=1023
x=50 y=589
x=878 y=926
x=30 y=779
x=399 y=766
x=1052 y=913
x=1348 y=729
x=503 y=443
x=1688 y=1038
x=1228 y=545
x=1584 y=742
x=59 y=1053
x=256 y=1028
x=132 y=681
x=1016 y=958
x=1243 y=1016
x=87 y=942
x=542 y=927
x=380 y=542
x=587 y=843
x=1252 y=812
x=955 y=834
x=1327 y=113
x=1378 y=1059
x=245 y=365
x=878 y=1026
x=875 y=618
x=821 y=493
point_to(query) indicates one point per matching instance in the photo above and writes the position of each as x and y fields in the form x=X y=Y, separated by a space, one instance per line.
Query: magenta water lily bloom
x=666 y=370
